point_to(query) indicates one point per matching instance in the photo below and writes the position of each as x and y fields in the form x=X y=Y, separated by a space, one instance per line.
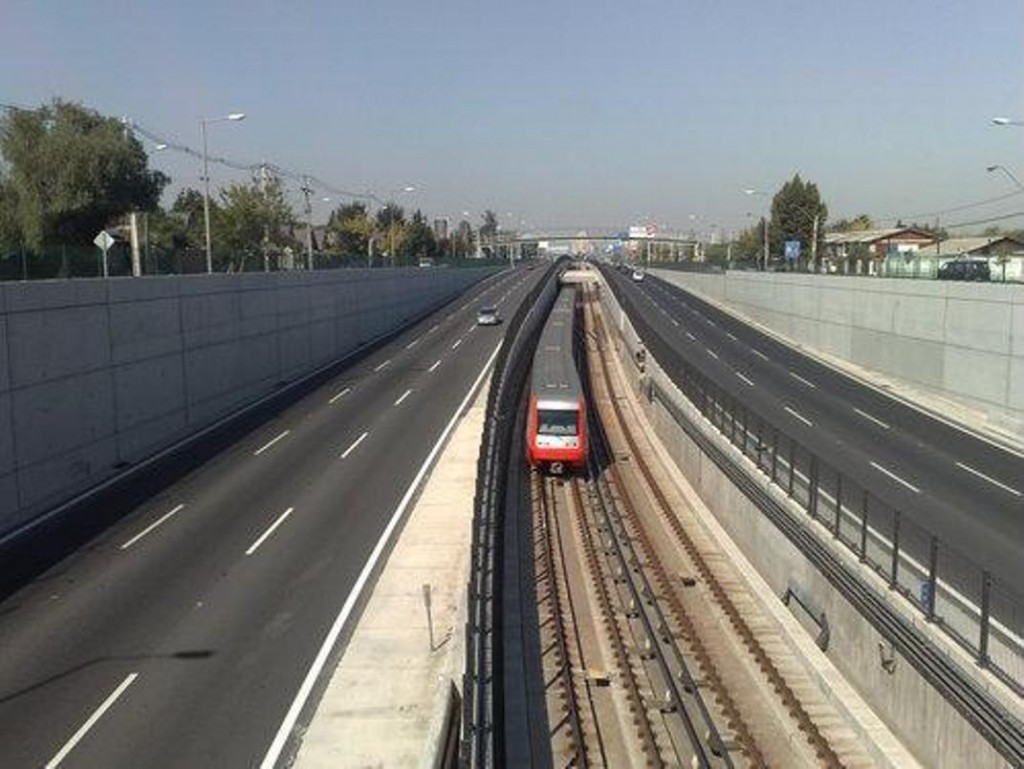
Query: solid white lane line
x=145 y=531
x=381 y=366
x=691 y=337
x=285 y=730
x=988 y=478
x=799 y=378
x=799 y=416
x=280 y=519
x=436 y=364
x=758 y=353
x=96 y=716
x=744 y=379
x=895 y=477
x=342 y=394
x=405 y=395
x=269 y=443
x=457 y=343
x=712 y=353
x=871 y=418
x=350 y=449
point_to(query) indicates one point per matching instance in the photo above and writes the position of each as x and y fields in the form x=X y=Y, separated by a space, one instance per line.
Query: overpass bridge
x=668 y=244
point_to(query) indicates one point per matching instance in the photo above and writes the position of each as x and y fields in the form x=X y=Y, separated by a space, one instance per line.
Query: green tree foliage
x=419 y=241
x=179 y=230
x=253 y=223
x=794 y=209
x=859 y=223
x=488 y=231
x=350 y=229
x=464 y=240
x=749 y=246
x=71 y=171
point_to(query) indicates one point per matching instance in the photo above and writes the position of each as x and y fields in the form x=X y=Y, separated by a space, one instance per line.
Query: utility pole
x=206 y=199
x=307 y=191
x=264 y=174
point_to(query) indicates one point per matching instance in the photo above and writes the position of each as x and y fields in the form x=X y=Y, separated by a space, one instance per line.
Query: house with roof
x=1005 y=255
x=865 y=251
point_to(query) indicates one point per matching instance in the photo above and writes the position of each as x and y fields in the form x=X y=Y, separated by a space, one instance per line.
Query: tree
x=750 y=244
x=253 y=220
x=859 y=223
x=798 y=213
x=419 y=241
x=391 y=227
x=464 y=240
x=488 y=231
x=350 y=229
x=72 y=171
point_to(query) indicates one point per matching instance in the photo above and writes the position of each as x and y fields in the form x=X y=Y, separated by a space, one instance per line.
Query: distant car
x=965 y=269
x=637 y=276
x=488 y=316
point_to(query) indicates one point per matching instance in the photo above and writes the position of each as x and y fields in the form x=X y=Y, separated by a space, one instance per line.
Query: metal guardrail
x=948 y=588
x=482 y=716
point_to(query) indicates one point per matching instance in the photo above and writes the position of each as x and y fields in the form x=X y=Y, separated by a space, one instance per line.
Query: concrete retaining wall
x=964 y=340
x=914 y=710
x=95 y=374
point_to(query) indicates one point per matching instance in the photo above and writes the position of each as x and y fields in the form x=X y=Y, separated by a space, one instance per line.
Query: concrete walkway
x=387 y=692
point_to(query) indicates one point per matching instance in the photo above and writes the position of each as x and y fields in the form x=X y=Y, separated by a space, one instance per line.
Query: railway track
x=649 y=657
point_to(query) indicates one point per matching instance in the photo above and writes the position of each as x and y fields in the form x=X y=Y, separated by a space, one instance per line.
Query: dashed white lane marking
x=433 y=328
x=758 y=353
x=404 y=395
x=895 y=477
x=436 y=364
x=177 y=509
x=988 y=478
x=690 y=336
x=457 y=343
x=745 y=379
x=382 y=365
x=341 y=394
x=872 y=418
x=800 y=379
x=675 y=322
x=313 y=674
x=712 y=353
x=731 y=335
x=412 y=344
x=710 y=322
x=263 y=537
x=799 y=416
x=350 y=449
x=269 y=443
x=471 y=329
x=96 y=716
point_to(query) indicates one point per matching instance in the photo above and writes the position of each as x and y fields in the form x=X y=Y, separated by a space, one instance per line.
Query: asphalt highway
x=183 y=635
x=967 y=491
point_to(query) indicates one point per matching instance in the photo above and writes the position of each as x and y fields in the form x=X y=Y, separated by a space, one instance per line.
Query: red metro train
x=556 y=426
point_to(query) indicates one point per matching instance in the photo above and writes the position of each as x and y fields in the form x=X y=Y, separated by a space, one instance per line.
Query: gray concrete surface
x=915 y=712
x=962 y=340
x=96 y=374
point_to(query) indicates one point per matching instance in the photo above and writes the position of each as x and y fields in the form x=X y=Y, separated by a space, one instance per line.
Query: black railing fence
x=950 y=588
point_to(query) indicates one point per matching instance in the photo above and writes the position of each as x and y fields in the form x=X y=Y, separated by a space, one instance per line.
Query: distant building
x=441 y=228
x=973 y=246
x=864 y=251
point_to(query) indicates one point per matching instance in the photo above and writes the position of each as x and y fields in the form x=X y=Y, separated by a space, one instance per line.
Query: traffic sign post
x=104 y=241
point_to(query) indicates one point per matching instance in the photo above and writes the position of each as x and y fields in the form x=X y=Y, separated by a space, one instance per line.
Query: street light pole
x=206 y=180
x=1006 y=121
x=764 y=222
x=1006 y=171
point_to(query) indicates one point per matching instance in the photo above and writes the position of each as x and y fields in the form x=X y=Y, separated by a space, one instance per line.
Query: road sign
x=104 y=240
x=792 y=250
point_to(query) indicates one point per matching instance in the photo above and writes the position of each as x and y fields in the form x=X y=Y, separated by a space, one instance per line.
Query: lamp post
x=1006 y=171
x=764 y=220
x=234 y=116
x=1007 y=121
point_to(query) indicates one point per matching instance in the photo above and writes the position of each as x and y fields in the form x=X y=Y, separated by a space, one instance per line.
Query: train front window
x=556 y=422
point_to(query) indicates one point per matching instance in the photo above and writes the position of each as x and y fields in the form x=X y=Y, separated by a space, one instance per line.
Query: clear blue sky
x=565 y=113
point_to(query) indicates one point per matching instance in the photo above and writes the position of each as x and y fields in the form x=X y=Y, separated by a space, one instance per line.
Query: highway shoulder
x=379 y=707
